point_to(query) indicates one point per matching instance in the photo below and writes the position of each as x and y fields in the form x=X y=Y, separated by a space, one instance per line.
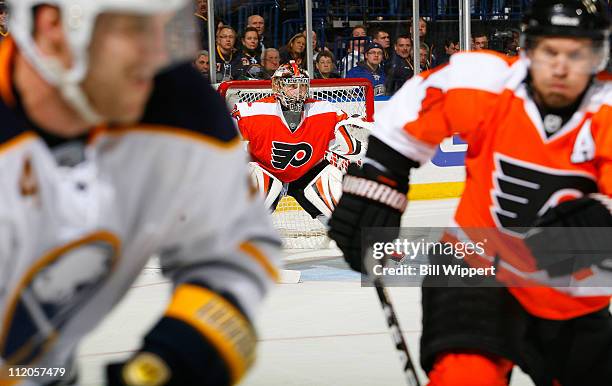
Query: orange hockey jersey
x=287 y=154
x=514 y=171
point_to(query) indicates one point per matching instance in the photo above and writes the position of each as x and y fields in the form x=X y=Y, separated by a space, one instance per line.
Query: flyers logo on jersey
x=522 y=191
x=294 y=154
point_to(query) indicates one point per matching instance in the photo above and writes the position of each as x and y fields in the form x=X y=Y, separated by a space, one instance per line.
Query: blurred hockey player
x=539 y=134
x=3 y=20
x=113 y=148
x=288 y=136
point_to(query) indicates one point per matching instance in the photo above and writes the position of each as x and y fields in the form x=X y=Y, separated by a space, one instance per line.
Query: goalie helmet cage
x=353 y=96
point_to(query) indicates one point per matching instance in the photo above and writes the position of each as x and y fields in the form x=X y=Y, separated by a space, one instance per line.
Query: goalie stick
x=396 y=334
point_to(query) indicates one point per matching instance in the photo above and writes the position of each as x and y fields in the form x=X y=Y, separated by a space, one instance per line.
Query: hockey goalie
x=288 y=137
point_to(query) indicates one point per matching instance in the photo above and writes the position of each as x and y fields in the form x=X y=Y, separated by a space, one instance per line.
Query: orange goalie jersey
x=288 y=154
x=515 y=172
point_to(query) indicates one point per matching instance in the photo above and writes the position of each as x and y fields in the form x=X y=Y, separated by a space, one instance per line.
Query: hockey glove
x=202 y=340
x=370 y=198
x=572 y=236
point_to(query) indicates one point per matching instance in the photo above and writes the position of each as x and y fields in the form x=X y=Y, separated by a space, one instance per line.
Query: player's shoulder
x=316 y=106
x=601 y=97
x=13 y=132
x=182 y=100
x=263 y=106
x=482 y=70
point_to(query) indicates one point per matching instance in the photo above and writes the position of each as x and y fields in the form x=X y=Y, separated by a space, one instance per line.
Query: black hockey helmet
x=569 y=18
x=575 y=18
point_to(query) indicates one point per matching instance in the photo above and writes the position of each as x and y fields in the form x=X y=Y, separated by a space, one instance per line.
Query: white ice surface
x=325 y=331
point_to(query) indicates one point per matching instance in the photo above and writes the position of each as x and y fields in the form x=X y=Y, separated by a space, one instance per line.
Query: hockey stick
x=396 y=334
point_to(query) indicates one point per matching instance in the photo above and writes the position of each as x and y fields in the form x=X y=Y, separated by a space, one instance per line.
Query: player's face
x=296 y=90
x=403 y=47
x=126 y=52
x=3 y=18
x=251 y=40
x=561 y=69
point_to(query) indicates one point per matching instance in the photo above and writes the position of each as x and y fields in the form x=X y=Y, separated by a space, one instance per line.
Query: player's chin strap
x=73 y=94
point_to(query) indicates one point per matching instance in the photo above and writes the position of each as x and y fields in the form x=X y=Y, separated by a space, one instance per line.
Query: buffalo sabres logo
x=294 y=154
x=522 y=191
x=57 y=287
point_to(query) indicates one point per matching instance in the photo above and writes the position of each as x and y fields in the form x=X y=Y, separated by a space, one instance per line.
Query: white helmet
x=79 y=17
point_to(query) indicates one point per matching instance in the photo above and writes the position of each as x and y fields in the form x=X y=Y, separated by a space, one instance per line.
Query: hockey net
x=353 y=96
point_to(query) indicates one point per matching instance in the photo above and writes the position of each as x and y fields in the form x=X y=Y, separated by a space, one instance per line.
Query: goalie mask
x=290 y=85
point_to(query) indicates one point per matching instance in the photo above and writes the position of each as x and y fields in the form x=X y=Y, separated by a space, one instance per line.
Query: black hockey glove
x=370 y=198
x=202 y=340
x=573 y=235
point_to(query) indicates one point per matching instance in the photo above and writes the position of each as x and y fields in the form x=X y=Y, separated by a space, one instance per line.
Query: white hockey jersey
x=73 y=239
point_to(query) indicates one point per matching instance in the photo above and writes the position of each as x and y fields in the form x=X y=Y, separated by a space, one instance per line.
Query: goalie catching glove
x=202 y=340
x=574 y=235
x=371 y=197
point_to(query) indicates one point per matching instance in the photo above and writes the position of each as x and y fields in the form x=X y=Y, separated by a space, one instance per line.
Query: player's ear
x=49 y=34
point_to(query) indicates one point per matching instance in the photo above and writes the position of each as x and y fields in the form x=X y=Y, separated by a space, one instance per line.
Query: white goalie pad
x=325 y=189
x=268 y=185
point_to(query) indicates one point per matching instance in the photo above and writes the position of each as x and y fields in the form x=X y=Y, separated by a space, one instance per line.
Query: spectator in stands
x=294 y=50
x=228 y=61
x=383 y=38
x=451 y=46
x=258 y=22
x=316 y=48
x=250 y=44
x=512 y=45
x=324 y=66
x=424 y=57
x=400 y=67
x=201 y=15
x=202 y=63
x=354 y=49
x=370 y=68
x=423 y=40
x=480 y=41
x=270 y=60
x=3 y=20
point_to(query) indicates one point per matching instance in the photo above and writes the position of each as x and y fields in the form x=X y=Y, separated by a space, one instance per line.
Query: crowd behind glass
x=382 y=55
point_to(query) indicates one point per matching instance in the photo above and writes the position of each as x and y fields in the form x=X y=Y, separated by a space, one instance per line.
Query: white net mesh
x=297 y=229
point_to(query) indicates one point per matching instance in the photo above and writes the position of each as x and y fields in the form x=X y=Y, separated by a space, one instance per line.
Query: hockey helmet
x=79 y=18
x=569 y=18
x=290 y=85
